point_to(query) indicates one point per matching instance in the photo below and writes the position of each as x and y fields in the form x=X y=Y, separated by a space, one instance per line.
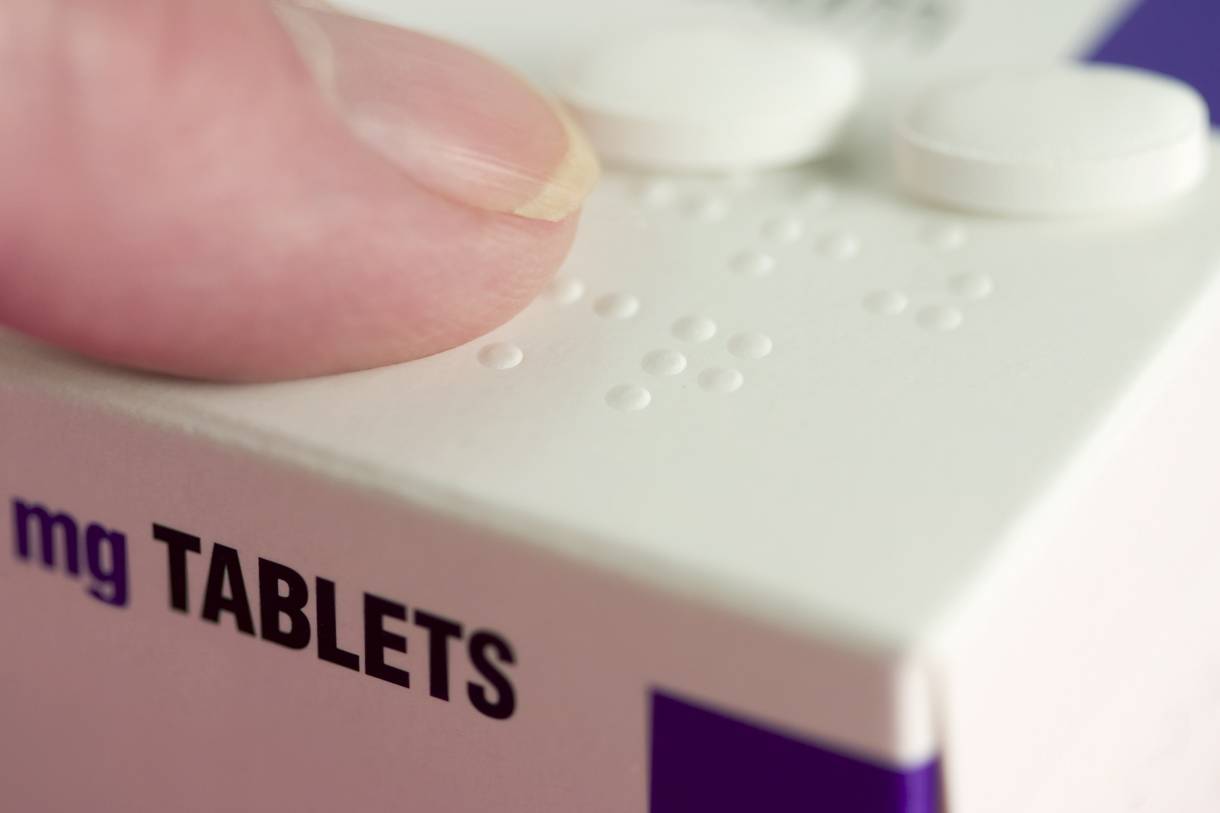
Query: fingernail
x=456 y=122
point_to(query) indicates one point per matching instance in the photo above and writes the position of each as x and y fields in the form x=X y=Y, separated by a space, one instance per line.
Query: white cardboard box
x=899 y=570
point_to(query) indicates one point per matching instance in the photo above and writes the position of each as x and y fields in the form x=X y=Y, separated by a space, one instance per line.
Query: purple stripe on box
x=705 y=761
x=1177 y=37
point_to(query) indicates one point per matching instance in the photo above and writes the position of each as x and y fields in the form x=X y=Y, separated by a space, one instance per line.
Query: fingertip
x=386 y=309
x=244 y=236
x=459 y=123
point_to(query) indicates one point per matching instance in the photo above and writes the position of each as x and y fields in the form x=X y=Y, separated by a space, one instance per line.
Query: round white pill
x=1066 y=140
x=713 y=95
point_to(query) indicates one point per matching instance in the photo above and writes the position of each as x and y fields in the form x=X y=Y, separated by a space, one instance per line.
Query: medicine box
x=791 y=493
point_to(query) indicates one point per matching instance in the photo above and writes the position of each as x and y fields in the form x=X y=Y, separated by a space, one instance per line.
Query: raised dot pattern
x=708 y=208
x=711 y=204
x=628 y=398
x=750 y=345
x=664 y=362
x=961 y=287
x=886 y=303
x=694 y=329
x=617 y=306
x=753 y=263
x=786 y=229
x=842 y=245
x=945 y=236
x=818 y=195
x=972 y=285
x=939 y=318
x=657 y=192
x=501 y=356
x=564 y=290
x=722 y=380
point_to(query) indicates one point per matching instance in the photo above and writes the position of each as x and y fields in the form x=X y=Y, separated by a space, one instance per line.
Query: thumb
x=230 y=189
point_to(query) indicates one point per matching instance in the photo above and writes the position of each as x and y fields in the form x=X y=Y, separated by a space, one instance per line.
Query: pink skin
x=178 y=195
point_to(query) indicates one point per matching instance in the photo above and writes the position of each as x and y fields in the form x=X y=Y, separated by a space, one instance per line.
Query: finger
x=217 y=189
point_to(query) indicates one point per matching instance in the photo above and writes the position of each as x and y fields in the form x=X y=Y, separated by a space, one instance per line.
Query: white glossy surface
x=916 y=403
x=931 y=380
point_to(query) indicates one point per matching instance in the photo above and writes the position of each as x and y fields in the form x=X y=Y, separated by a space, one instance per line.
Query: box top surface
x=856 y=430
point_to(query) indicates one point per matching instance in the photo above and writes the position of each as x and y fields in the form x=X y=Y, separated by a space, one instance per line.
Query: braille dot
x=628 y=398
x=945 y=236
x=753 y=263
x=787 y=229
x=657 y=192
x=694 y=328
x=501 y=356
x=940 y=318
x=750 y=345
x=565 y=290
x=840 y=245
x=819 y=195
x=664 y=362
x=721 y=380
x=709 y=209
x=886 y=303
x=741 y=180
x=971 y=285
x=617 y=306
